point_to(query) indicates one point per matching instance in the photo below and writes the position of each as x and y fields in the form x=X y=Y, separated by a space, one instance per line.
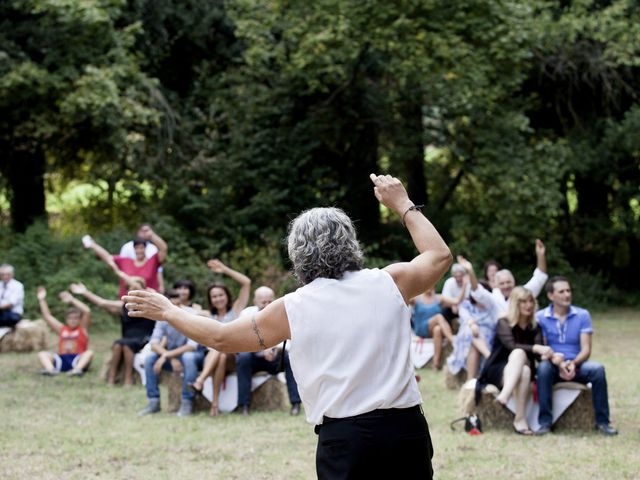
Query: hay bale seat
x=454 y=382
x=28 y=336
x=578 y=416
x=268 y=397
x=106 y=365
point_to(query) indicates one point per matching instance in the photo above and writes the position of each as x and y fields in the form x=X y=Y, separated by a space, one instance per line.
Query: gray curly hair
x=322 y=242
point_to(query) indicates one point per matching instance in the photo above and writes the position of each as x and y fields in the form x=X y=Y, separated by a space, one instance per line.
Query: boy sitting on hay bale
x=73 y=356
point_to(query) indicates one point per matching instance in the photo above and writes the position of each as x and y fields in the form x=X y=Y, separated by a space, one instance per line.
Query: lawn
x=78 y=428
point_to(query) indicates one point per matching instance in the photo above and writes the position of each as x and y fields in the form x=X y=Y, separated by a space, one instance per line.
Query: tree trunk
x=25 y=175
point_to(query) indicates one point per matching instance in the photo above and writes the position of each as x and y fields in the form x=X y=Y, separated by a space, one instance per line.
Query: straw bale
x=173 y=382
x=28 y=336
x=270 y=396
x=454 y=382
x=580 y=414
x=106 y=365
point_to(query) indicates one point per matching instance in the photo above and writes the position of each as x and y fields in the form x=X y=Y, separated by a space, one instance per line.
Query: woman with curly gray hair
x=350 y=336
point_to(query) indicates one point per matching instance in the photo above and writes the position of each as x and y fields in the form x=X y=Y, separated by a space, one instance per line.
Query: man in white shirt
x=11 y=297
x=247 y=363
x=506 y=282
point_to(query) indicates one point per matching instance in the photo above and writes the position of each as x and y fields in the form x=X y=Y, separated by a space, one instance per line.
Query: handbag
x=472 y=424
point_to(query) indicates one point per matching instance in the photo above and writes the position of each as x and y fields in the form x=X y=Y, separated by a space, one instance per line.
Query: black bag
x=472 y=424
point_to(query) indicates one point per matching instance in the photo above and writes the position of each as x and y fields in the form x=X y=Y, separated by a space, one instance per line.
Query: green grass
x=77 y=428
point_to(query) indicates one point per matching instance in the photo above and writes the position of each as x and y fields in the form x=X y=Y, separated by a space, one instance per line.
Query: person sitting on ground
x=223 y=309
x=351 y=334
x=506 y=282
x=478 y=319
x=178 y=354
x=128 y=250
x=135 y=334
x=269 y=360
x=73 y=354
x=428 y=321
x=128 y=269
x=452 y=288
x=491 y=267
x=517 y=346
x=11 y=297
x=568 y=330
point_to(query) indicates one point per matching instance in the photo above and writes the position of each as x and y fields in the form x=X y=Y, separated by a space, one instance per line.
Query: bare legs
x=478 y=349
x=121 y=353
x=517 y=379
x=46 y=360
x=438 y=330
x=214 y=366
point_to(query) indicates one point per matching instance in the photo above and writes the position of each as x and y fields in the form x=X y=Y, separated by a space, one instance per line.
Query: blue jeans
x=247 y=363
x=588 y=372
x=9 y=318
x=191 y=363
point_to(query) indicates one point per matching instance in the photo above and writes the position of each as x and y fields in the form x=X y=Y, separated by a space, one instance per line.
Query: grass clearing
x=78 y=428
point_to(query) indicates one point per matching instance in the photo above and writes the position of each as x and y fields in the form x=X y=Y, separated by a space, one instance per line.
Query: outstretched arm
x=539 y=278
x=245 y=283
x=253 y=333
x=111 y=306
x=54 y=323
x=434 y=257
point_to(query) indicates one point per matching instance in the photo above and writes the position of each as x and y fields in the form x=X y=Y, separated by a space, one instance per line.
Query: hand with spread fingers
x=145 y=304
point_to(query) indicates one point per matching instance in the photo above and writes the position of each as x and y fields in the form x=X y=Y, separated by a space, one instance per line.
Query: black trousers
x=389 y=443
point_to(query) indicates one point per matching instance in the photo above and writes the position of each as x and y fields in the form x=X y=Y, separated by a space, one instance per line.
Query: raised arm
x=147 y=233
x=54 y=323
x=452 y=302
x=434 y=257
x=539 y=278
x=252 y=333
x=245 y=283
x=111 y=306
x=69 y=299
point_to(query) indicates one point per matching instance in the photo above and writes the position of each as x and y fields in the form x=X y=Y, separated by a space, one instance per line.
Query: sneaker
x=186 y=408
x=543 y=430
x=49 y=373
x=295 y=409
x=606 y=429
x=243 y=410
x=75 y=373
x=152 y=407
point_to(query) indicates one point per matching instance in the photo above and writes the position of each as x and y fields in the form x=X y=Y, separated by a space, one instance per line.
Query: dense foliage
x=222 y=120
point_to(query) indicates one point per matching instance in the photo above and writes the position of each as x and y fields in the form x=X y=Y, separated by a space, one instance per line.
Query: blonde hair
x=519 y=294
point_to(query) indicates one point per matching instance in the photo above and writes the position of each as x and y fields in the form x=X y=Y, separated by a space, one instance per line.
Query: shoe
x=49 y=373
x=194 y=388
x=606 y=429
x=152 y=407
x=543 y=430
x=186 y=408
x=242 y=410
x=75 y=373
x=295 y=409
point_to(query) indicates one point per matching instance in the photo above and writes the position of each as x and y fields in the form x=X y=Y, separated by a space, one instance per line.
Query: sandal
x=195 y=387
x=525 y=431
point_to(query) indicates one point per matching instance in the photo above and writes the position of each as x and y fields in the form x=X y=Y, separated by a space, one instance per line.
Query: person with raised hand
x=73 y=354
x=350 y=337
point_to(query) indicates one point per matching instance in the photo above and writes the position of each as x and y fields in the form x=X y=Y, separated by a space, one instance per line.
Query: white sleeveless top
x=350 y=342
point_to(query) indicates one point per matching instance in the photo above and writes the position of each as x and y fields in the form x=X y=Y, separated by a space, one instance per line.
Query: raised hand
x=216 y=266
x=151 y=305
x=391 y=193
x=65 y=296
x=540 y=248
x=466 y=264
x=78 y=288
x=41 y=293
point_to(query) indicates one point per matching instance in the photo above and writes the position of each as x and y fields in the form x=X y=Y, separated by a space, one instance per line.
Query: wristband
x=412 y=207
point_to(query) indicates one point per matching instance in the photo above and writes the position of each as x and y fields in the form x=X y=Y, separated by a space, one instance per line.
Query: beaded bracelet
x=412 y=207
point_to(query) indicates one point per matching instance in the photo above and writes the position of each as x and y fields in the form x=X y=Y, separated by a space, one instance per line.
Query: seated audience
x=128 y=269
x=11 y=297
x=517 y=345
x=128 y=250
x=268 y=360
x=491 y=267
x=428 y=322
x=179 y=353
x=73 y=355
x=478 y=319
x=506 y=282
x=452 y=288
x=568 y=330
x=135 y=334
x=222 y=308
